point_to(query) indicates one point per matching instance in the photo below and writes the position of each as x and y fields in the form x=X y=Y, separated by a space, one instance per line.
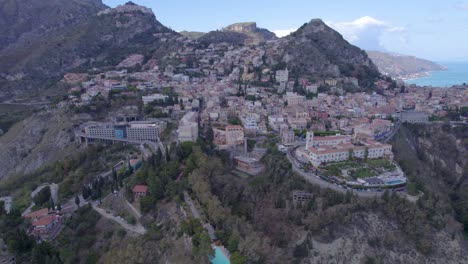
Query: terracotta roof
x=134 y=161
x=330 y=138
x=45 y=220
x=140 y=189
x=38 y=214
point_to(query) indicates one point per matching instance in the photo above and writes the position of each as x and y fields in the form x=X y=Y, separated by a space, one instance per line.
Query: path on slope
x=196 y=214
x=53 y=193
x=138 y=228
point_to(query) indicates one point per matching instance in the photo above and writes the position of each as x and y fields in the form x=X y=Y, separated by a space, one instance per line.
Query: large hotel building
x=135 y=131
x=328 y=149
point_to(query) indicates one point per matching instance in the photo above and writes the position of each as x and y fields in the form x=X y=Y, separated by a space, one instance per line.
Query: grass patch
x=362 y=173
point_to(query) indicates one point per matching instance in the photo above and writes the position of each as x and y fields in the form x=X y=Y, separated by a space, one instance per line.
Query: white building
x=282 y=76
x=321 y=150
x=287 y=137
x=138 y=130
x=154 y=97
x=250 y=123
x=294 y=98
x=414 y=117
x=188 y=127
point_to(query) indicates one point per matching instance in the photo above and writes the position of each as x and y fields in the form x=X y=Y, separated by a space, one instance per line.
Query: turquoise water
x=219 y=257
x=394 y=182
x=457 y=73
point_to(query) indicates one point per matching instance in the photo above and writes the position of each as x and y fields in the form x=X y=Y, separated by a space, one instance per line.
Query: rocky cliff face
x=247 y=27
x=435 y=157
x=256 y=34
x=246 y=33
x=22 y=22
x=42 y=138
x=316 y=49
x=83 y=35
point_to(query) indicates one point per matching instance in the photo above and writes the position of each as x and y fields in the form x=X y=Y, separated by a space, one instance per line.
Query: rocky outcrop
x=35 y=141
x=238 y=34
x=372 y=238
x=317 y=50
x=247 y=27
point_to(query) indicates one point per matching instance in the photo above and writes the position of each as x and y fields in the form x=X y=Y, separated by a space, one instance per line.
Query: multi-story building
x=154 y=97
x=234 y=135
x=188 y=127
x=414 y=117
x=250 y=123
x=282 y=76
x=132 y=131
x=143 y=131
x=321 y=150
x=287 y=137
x=294 y=98
x=297 y=123
x=100 y=130
x=331 y=82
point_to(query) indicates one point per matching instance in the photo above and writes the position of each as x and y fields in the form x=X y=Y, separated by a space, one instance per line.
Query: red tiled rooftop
x=45 y=220
x=134 y=161
x=38 y=214
x=140 y=189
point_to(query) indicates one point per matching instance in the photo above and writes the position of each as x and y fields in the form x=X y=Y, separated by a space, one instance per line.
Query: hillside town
x=233 y=92
x=237 y=146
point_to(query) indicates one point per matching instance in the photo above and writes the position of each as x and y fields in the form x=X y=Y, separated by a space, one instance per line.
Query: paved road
x=53 y=190
x=134 y=210
x=53 y=193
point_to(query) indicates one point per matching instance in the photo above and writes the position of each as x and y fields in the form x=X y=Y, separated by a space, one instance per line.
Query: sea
x=456 y=74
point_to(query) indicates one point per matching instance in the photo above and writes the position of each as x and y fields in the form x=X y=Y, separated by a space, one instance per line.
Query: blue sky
x=432 y=29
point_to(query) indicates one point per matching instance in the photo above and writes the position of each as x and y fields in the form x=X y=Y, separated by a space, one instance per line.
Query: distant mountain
x=402 y=66
x=317 y=50
x=40 y=47
x=238 y=34
x=216 y=37
x=192 y=34
x=256 y=34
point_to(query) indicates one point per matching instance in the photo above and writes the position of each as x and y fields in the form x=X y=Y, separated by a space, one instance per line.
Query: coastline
x=455 y=74
x=416 y=76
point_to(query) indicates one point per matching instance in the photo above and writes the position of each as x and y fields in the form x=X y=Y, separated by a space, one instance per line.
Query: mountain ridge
x=402 y=66
x=101 y=38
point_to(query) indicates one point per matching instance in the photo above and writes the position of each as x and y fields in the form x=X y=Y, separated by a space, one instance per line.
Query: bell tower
x=309 y=139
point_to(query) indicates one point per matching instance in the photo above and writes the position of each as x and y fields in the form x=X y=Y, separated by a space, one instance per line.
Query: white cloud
x=284 y=32
x=462 y=5
x=367 y=32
